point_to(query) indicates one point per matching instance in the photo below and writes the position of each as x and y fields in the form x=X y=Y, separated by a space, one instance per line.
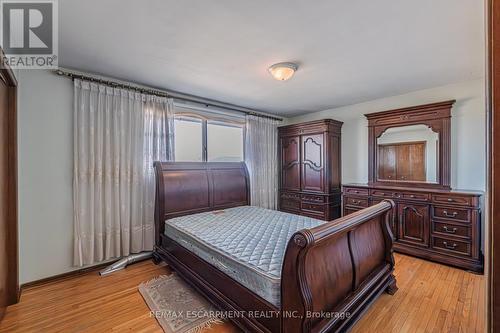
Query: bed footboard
x=333 y=272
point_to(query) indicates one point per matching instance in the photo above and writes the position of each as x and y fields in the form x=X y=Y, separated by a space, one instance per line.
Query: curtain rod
x=161 y=93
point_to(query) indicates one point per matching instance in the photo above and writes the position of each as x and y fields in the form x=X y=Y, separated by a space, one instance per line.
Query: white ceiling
x=348 y=51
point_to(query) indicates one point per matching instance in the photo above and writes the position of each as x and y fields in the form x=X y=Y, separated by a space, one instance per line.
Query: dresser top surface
x=415 y=189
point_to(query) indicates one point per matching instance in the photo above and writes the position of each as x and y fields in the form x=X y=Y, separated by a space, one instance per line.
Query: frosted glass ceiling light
x=283 y=70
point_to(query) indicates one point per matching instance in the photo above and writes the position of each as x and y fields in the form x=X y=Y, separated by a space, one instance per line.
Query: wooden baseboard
x=67 y=275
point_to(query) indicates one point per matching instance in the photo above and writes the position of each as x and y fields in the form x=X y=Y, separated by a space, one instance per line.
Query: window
x=198 y=140
x=188 y=139
x=224 y=142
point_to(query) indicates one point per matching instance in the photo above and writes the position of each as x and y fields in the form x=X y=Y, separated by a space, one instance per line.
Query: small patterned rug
x=177 y=307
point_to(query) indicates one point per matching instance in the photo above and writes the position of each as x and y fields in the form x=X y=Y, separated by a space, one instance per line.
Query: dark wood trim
x=403 y=143
x=67 y=275
x=12 y=284
x=436 y=116
x=493 y=98
x=424 y=112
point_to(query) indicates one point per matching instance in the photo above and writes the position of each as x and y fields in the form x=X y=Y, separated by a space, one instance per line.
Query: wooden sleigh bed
x=330 y=273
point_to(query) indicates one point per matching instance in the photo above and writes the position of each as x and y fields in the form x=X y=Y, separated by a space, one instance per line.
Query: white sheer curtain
x=118 y=134
x=261 y=157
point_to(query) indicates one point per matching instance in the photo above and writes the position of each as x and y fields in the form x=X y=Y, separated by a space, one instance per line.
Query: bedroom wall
x=468 y=131
x=45 y=150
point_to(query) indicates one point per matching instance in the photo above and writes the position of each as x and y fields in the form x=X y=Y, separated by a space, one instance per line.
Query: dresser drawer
x=290 y=201
x=452 y=214
x=385 y=194
x=454 y=230
x=447 y=245
x=313 y=208
x=290 y=196
x=356 y=191
x=451 y=199
x=313 y=198
x=350 y=210
x=415 y=196
x=358 y=202
x=290 y=205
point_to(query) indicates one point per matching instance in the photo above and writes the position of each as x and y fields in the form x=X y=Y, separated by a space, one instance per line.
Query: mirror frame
x=436 y=116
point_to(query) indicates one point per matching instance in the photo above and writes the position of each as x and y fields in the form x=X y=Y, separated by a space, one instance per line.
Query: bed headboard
x=184 y=188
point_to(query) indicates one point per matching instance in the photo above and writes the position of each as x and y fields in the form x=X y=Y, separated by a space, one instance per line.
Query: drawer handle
x=412 y=196
x=397 y=195
x=451 y=247
x=452 y=231
x=450 y=200
x=356 y=191
x=454 y=214
x=356 y=202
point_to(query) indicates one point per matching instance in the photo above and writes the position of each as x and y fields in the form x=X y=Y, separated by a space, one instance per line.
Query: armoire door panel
x=313 y=163
x=290 y=163
x=413 y=224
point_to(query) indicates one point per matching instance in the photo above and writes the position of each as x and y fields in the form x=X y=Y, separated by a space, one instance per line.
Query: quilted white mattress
x=247 y=243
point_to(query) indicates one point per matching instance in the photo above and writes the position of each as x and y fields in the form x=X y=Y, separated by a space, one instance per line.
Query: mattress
x=247 y=243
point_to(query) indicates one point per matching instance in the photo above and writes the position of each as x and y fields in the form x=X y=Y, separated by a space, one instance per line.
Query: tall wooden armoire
x=310 y=169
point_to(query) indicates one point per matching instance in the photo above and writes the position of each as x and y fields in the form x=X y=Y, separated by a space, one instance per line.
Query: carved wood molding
x=436 y=116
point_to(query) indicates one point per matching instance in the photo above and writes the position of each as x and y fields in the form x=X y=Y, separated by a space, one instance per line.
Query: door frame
x=12 y=292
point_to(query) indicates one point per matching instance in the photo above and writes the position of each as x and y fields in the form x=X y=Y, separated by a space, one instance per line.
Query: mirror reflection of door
x=408 y=153
x=402 y=161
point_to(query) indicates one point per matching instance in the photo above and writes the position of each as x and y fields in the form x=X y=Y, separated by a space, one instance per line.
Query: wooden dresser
x=310 y=169
x=439 y=225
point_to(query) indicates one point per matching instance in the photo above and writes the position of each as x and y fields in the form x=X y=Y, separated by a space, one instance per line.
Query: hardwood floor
x=431 y=298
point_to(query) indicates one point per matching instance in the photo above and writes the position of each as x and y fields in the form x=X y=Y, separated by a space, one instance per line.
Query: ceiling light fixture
x=283 y=70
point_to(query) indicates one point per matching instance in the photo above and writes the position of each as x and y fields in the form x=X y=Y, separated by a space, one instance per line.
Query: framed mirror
x=410 y=146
